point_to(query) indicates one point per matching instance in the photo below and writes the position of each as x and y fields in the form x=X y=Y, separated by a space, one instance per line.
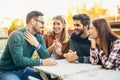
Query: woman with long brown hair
x=105 y=45
x=57 y=40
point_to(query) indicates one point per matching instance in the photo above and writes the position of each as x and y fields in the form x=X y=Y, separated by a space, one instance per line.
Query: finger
x=26 y=37
x=25 y=33
x=69 y=59
x=53 y=62
x=54 y=42
x=28 y=33
x=74 y=52
x=69 y=55
x=70 y=51
x=65 y=55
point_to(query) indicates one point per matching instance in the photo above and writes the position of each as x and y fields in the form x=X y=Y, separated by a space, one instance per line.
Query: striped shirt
x=111 y=62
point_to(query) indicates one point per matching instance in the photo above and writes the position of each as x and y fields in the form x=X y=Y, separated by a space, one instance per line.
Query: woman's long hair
x=64 y=36
x=105 y=34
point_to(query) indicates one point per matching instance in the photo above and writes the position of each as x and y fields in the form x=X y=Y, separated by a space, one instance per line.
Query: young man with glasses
x=79 y=44
x=21 y=44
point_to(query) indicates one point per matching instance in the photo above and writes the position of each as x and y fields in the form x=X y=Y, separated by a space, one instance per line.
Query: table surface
x=64 y=69
x=101 y=74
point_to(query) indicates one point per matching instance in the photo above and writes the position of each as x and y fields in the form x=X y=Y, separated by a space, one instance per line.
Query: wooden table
x=65 y=69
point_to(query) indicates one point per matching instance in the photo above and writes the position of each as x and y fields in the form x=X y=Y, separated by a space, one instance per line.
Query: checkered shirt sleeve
x=111 y=62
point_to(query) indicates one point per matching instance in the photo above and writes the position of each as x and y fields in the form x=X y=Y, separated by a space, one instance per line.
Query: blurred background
x=13 y=13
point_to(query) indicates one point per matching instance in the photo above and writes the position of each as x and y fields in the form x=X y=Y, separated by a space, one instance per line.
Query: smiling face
x=57 y=26
x=79 y=28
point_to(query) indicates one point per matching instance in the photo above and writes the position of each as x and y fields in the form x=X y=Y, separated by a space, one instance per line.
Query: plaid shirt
x=111 y=62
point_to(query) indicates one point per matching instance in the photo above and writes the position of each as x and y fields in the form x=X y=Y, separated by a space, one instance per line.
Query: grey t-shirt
x=81 y=46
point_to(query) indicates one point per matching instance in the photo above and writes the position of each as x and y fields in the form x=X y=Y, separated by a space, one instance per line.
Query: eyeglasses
x=77 y=25
x=39 y=21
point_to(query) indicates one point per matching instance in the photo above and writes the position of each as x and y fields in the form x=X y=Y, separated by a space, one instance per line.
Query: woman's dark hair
x=105 y=34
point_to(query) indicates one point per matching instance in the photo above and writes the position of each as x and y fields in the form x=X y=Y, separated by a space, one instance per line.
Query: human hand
x=49 y=62
x=71 y=56
x=93 y=41
x=56 y=45
x=31 y=39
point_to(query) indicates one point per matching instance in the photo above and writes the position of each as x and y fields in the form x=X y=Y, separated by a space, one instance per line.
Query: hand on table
x=49 y=62
x=71 y=56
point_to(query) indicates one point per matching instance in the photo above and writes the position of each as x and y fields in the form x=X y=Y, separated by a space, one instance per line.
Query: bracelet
x=41 y=62
x=38 y=47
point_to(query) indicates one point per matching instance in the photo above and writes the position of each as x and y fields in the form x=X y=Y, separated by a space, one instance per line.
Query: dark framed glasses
x=39 y=21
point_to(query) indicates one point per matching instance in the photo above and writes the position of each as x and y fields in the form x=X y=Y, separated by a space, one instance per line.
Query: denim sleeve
x=84 y=59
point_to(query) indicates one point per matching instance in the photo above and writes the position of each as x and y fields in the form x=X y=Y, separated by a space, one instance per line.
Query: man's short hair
x=84 y=19
x=33 y=14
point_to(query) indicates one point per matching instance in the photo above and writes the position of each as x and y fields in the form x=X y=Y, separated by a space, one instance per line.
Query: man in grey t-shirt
x=79 y=44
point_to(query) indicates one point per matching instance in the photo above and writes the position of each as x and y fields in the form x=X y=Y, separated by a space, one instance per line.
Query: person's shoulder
x=72 y=35
x=17 y=33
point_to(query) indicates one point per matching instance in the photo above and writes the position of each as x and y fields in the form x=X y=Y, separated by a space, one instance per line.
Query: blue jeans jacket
x=22 y=75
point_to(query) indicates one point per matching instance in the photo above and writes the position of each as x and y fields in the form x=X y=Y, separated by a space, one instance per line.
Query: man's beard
x=36 y=31
x=80 y=31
